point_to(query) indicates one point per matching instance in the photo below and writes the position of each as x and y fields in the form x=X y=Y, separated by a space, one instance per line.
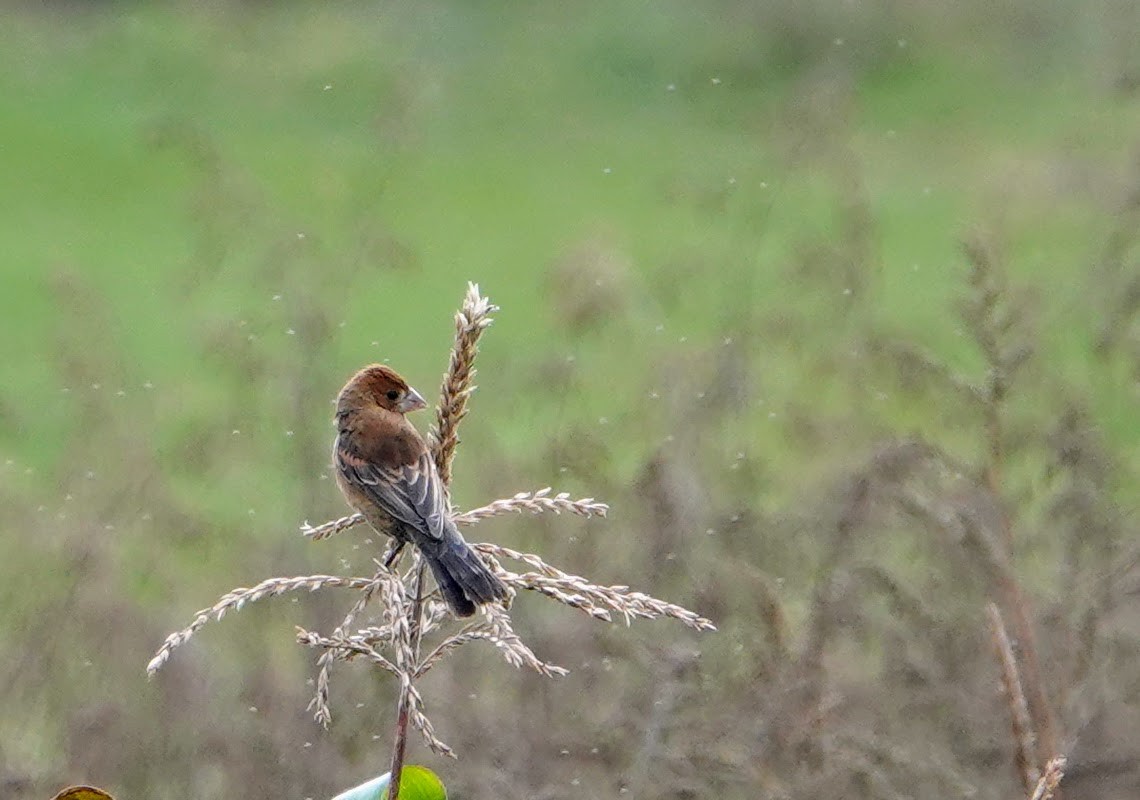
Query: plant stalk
x=400 y=745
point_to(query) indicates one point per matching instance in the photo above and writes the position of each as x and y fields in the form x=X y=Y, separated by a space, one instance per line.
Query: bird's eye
x=393 y=394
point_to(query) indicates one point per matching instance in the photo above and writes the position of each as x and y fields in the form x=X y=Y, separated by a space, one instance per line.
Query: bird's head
x=379 y=385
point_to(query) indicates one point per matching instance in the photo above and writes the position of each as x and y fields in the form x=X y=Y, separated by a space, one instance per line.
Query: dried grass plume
x=417 y=632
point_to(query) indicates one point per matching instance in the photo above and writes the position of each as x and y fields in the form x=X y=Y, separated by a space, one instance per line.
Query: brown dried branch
x=995 y=317
x=1021 y=726
x=1017 y=605
x=983 y=536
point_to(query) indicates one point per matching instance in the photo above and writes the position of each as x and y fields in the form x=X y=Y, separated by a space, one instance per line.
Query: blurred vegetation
x=727 y=239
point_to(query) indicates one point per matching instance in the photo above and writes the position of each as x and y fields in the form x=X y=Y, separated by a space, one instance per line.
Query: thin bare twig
x=1021 y=726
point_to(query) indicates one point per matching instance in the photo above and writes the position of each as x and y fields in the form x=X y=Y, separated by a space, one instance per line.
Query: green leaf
x=416 y=783
x=419 y=783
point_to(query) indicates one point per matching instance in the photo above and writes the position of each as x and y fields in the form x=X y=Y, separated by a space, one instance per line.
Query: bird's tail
x=464 y=580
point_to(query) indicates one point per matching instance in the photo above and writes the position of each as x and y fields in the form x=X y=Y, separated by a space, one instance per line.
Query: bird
x=385 y=471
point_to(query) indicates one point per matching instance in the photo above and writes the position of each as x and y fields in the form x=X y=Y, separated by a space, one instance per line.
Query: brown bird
x=385 y=472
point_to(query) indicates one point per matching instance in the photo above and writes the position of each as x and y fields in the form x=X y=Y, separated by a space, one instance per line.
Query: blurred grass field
x=705 y=225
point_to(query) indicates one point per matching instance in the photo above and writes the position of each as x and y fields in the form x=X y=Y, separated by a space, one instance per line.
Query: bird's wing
x=411 y=493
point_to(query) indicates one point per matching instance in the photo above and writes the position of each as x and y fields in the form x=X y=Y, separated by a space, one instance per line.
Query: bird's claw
x=393 y=553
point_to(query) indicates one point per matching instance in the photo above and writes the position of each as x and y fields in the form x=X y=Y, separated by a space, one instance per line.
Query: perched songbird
x=387 y=474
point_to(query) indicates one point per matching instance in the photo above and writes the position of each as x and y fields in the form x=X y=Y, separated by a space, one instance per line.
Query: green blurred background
x=726 y=238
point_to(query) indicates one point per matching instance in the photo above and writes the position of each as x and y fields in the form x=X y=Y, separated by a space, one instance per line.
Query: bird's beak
x=411 y=402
